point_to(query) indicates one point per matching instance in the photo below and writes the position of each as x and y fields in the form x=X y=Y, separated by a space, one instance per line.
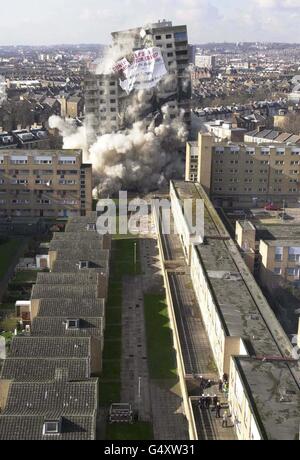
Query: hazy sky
x=91 y=21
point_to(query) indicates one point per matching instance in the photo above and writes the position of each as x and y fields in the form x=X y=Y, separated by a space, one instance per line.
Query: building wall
x=278 y=261
x=205 y=161
x=4 y=391
x=102 y=100
x=213 y=325
x=44 y=184
x=191 y=166
x=245 y=425
x=248 y=175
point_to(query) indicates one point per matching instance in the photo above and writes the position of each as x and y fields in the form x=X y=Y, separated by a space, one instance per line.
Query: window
x=170 y=54
x=278 y=254
x=250 y=151
x=180 y=36
x=168 y=36
x=265 y=151
x=264 y=162
x=169 y=45
x=67 y=160
x=277 y=271
x=294 y=254
x=52 y=427
x=296 y=151
x=280 y=151
x=158 y=37
x=234 y=149
x=293 y=272
x=91 y=227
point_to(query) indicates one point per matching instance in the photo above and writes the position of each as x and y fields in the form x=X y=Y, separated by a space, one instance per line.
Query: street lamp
x=135 y=256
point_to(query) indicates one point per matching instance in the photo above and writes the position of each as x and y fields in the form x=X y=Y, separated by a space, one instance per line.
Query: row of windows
x=167 y=36
x=235 y=150
x=295 y=272
x=249 y=189
x=262 y=162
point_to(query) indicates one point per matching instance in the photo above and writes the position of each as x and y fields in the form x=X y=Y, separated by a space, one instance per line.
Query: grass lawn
x=28 y=276
x=112 y=350
x=7 y=306
x=127 y=259
x=114 y=315
x=161 y=352
x=110 y=392
x=9 y=324
x=111 y=369
x=7 y=253
x=124 y=432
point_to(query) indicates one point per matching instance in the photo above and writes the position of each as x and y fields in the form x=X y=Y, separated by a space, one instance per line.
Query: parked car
x=272 y=207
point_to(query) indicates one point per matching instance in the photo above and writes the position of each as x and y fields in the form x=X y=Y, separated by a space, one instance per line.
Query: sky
x=33 y=22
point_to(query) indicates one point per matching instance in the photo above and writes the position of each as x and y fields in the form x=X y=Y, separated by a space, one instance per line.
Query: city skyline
x=207 y=20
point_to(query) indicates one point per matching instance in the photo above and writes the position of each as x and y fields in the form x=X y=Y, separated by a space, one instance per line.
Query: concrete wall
x=4 y=390
x=245 y=424
x=212 y=322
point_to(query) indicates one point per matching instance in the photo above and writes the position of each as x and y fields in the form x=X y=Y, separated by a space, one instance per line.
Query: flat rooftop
x=274 y=395
x=241 y=304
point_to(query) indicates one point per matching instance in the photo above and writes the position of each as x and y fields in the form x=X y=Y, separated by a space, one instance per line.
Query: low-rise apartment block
x=248 y=343
x=246 y=174
x=44 y=183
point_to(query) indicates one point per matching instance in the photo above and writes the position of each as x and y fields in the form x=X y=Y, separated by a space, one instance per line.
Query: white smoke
x=115 y=52
x=73 y=137
x=140 y=158
x=2 y=90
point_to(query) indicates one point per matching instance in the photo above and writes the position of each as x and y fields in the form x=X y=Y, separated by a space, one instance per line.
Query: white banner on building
x=146 y=70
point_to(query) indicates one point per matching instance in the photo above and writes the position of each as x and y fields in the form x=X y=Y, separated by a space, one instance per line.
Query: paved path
x=134 y=374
